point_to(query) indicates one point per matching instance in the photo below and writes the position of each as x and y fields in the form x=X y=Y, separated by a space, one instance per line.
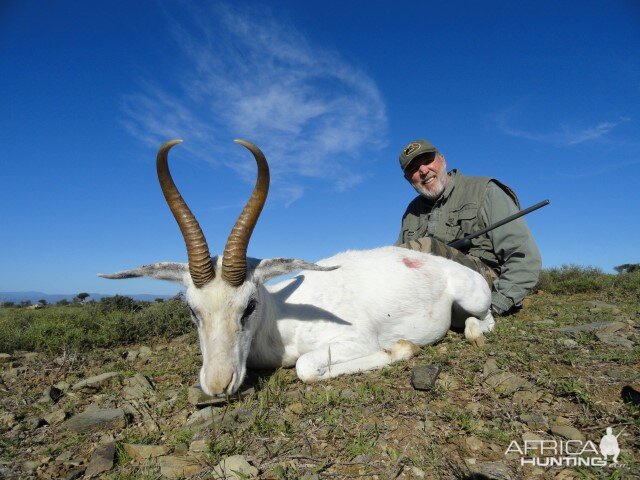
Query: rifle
x=465 y=243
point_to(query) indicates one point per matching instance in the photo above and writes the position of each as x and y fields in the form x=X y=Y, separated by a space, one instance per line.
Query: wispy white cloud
x=563 y=136
x=309 y=110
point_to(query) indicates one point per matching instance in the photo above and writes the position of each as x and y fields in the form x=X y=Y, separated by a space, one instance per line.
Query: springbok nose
x=216 y=381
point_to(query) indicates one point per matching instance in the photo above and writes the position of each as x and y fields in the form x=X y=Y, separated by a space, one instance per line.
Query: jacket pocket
x=462 y=221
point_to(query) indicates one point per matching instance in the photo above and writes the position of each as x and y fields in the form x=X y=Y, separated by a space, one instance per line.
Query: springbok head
x=223 y=294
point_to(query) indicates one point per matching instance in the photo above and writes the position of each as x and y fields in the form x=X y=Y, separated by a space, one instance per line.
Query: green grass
x=84 y=327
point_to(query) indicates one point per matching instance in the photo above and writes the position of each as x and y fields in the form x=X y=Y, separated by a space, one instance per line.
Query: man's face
x=428 y=175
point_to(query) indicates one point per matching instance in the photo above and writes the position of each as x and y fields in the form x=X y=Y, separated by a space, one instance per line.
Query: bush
x=90 y=326
x=569 y=279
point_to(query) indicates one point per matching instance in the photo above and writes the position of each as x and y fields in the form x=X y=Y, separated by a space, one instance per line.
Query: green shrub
x=569 y=279
x=83 y=327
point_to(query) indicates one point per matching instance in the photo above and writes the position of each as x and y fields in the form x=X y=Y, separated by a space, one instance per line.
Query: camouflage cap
x=413 y=149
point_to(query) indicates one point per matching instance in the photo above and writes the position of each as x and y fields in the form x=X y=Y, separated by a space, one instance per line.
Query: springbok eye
x=194 y=317
x=248 y=311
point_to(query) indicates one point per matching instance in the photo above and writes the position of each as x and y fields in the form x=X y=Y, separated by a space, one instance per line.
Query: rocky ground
x=564 y=368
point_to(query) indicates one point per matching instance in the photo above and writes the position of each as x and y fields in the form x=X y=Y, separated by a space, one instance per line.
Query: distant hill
x=53 y=298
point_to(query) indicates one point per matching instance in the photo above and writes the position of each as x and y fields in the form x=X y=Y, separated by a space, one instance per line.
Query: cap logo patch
x=412 y=147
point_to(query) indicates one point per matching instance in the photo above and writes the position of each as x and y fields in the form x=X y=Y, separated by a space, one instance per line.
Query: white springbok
x=355 y=311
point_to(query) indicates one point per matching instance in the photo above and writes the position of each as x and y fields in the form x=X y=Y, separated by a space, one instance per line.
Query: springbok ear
x=267 y=269
x=173 y=272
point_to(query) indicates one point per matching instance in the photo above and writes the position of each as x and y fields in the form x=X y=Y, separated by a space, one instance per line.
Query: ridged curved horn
x=234 y=261
x=200 y=266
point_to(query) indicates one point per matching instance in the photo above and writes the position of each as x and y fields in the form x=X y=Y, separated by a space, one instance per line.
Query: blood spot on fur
x=412 y=262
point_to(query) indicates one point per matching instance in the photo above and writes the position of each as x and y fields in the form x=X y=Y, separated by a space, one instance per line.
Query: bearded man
x=450 y=206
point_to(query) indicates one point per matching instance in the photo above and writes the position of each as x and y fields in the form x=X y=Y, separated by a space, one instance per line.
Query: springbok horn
x=234 y=261
x=200 y=266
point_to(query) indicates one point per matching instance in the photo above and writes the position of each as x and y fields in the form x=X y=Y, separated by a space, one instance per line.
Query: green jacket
x=469 y=204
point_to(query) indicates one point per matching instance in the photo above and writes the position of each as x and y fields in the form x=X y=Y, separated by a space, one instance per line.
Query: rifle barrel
x=462 y=241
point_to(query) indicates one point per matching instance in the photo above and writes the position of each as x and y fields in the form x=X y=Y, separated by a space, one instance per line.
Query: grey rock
x=568 y=432
x=96 y=419
x=101 y=460
x=51 y=394
x=75 y=473
x=535 y=421
x=17 y=372
x=34 y=422
x=31 y=465
x=490 y=366
x=506 y=383
x=235 y=467
x=138 y=387
x=94 y=383
x=609 y=327
x=615 y=340
x=5 y=358
x=143 y=452
x=145 y=352
x=200 y=419
x=174 y=466
x=8 y=420
x=28 y=356
x=199 y=446
x=527 y=397
x=197 y=397
x=423 y=377
x=495 y=470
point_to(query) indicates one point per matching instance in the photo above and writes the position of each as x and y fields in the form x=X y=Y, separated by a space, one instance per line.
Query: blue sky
x=545 y=97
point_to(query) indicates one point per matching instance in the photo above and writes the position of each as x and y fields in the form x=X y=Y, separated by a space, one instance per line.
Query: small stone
x=295 y=408
x=64 y=456
x=198 y=446
x=474 y=407
x=506 y=383
x=474 y=444
x=51 y=394
x=56 y=417
x=101 y=460
x=347 y=394
x=495 y=470
x=95 y=419
x=235 y=467
x=197 y=397
x=8 y=420
x=423 y=377
x=145 y=352
x=96 y=382
x=31 y=465
x=418 y=472
x=75 y=473
x=5 y=358
x=569 y=343
x=527 y=397
x=173 y=466
x=535 y=421
x=201 y=418
x=144 y=452
x=131 y=355
x=575 y=330
x=447 y=382
x=490 y=366
x=568 y=432
x=137 y=387
x=63 y=386
x=615 y=340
